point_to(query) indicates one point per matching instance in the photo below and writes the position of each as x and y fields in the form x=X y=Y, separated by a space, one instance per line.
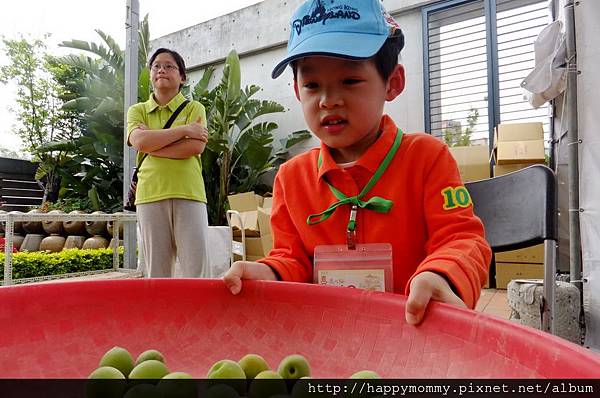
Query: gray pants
x=174 y=238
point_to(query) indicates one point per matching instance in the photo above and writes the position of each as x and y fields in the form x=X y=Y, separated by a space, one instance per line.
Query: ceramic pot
x=112 y=242
x=74 y=227
x=33 y=227
x=110 y=226
x=96 y=227
x=95 y=242
x=18 y=226
x=53 y=227
x=2 y=223
x=18 y=241
x=31 y=243
x=74 y=242
x=52 y=243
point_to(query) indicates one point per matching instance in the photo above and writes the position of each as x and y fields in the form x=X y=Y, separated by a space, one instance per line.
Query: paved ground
x=493 y=302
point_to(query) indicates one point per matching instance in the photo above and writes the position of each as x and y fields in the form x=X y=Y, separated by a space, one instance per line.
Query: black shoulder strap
x=174 y=115
x=168 y=124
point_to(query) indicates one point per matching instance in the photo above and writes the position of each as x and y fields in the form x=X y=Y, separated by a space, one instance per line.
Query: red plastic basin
x=60 y=330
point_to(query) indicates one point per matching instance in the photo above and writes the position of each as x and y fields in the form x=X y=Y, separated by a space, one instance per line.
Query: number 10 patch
x=456 y=197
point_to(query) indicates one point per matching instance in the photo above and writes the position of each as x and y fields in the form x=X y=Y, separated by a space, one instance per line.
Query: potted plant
x=242 y=147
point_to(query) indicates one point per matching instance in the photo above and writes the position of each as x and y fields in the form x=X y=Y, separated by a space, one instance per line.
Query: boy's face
x=342 y=101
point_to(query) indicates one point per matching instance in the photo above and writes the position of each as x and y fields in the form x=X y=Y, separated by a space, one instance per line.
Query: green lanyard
x=375 y=203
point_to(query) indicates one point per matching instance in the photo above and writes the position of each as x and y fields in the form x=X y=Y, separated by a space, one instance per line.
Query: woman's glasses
x=166 y=67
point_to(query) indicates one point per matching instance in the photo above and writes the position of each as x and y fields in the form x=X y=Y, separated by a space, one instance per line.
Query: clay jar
x=110 y=227
x=31 y=243
x=74 y=227
x=112 y=243
x=18 y=241
x=52 y=243
x=2 y=223
x=53 y=227
x=33 y=227
x=96 y=227
x=74 y=242
x=18 y=225
x=95 y=242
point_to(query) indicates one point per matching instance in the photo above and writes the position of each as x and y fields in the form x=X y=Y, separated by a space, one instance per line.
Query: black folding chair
x=519 y=210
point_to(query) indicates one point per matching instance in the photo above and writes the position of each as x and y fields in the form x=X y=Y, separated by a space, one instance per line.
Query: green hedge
x=34 y=264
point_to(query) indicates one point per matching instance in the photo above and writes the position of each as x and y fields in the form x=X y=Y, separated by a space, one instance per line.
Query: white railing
x=9 y=220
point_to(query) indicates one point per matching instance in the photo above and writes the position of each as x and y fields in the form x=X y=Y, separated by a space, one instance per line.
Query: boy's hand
x=425 y=287
x=246 y=270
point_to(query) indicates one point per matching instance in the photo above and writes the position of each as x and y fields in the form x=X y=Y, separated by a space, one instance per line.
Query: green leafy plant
x=455 y=135
x=93 y=89
x=35 y=264
x=39 y=108
x=241 y=143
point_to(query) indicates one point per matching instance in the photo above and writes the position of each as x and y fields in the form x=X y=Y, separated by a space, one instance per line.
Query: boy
x=344 y=57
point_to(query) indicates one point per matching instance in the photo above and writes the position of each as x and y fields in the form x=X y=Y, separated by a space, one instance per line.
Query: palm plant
x=94 y=87
x=240 y=146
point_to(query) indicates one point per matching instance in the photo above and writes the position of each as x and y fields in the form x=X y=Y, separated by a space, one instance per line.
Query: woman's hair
x=178 y=60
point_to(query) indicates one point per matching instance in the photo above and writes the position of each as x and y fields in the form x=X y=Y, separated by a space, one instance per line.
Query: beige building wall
x=259 y=34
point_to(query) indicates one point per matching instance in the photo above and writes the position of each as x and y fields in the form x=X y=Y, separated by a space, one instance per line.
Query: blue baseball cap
x=352 y=29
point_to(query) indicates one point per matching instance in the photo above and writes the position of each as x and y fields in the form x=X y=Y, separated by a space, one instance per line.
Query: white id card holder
x=367 y=266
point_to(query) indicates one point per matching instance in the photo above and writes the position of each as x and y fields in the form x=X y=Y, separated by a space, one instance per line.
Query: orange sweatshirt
x=428 y=229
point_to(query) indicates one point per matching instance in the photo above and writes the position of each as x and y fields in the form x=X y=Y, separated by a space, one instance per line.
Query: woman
x=170 y=197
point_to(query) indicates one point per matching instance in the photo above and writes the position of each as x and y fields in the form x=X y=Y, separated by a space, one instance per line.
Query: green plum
x=177 y=385
x=150 y=354
x=221 y=391
x=231 y=372
x=226 y=369
x=294 y=367
x=267 y=384
x=365 y=374
x=150 y=369
x=105 y=382
x=119 y=358
x=143 y=391
x=252 y=365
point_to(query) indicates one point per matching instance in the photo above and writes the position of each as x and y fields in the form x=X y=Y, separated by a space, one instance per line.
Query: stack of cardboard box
x=473 y=162
x=255 y=212
x=516 y=146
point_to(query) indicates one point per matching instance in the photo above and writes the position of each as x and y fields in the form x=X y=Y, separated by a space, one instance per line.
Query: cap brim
x=334 y=44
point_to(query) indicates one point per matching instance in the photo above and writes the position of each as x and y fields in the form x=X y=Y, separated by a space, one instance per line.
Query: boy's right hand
x=246 y=270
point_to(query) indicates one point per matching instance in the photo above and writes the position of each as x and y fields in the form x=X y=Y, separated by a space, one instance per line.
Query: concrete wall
x=259 y=33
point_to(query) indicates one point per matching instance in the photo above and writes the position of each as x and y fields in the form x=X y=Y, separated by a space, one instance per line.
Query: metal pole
x=131 y=93
x=573 y=145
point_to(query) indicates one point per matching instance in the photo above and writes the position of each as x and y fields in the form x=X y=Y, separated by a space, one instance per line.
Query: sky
x=77 y=19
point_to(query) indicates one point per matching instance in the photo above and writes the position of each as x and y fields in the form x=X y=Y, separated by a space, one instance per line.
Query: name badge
x=368 y=266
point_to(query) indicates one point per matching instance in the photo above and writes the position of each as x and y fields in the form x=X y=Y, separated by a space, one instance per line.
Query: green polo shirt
x=164 y=178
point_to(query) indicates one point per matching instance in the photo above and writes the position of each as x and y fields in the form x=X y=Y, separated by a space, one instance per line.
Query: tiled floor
x=494 y=302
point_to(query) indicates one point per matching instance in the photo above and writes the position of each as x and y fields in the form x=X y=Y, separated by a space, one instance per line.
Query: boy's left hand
x=425 y=287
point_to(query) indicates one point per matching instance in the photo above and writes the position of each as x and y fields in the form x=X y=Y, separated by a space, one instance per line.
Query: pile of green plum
x=149 y=377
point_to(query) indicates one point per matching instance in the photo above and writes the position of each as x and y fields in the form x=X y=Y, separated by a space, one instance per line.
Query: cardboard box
x=519 y=143
x=247 y=201
x=505 y=272
x=264 y=224
x=500 y=170
x=248 y=258
x=247 y=205
x=473 y=162
x=255 y=212
x=533 y=254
